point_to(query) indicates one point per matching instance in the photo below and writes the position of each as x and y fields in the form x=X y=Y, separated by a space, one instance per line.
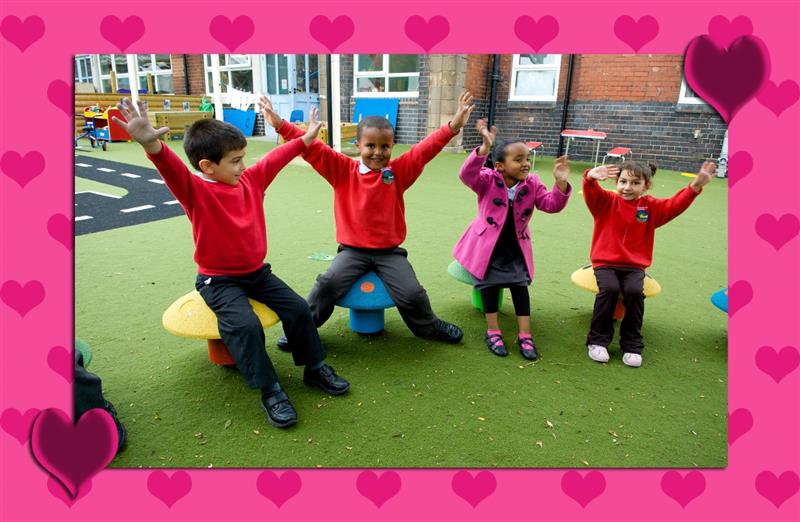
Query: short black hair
x=375 y=122
x=646 y=171
x=498 y=152
x=211 y=139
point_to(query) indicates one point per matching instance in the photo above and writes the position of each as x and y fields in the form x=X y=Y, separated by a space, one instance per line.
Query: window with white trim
x=157 y=65
x=385 y=75
x=687 y=95
x=534 y=77
x=83 y=68
x=235 y=70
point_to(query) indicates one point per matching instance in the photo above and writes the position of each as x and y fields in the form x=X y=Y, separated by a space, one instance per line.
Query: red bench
x=619 y=153
x=533 y=145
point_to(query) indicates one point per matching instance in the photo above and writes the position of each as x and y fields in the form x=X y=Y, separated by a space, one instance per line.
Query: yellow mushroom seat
x=584 y=278
x=189 y=316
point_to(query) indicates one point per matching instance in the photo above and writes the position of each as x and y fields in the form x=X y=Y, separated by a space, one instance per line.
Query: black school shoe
x=527 y=348
x=283 y=344
x=280 y=412
x=325 y=377
x=446 y=332
x=495 y=344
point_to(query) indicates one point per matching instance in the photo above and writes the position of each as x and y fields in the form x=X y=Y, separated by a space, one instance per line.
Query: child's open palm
x=465 y=108
x=604 y=172
x=703 y=177
x=265 y=105
x=313 y=127
x=561 y=170
x=138 y=126
x=488 y=136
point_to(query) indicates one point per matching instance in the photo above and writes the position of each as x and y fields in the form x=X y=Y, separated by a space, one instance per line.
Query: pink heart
x=234 y=33
x=122 y=34
x=61 y=361
x=739 y=166
x=427 y=34
x=17 y=424
x=23 y=299
x=724 y=32
x=739 y=422
x=777 y=489
x=169 y=489
x=60 y=95
x=474 y=489
x=634 y=33
x=331 y=34
x=378 y=489
x=22 y=34
x=60 y=228
x=683 y=489
x=22 y=169
x=712 y=72
x=57 y=490
x=778 y=99
x=278 y=489
x=583 y=489
x=536 y=34
x=739 y=294
x=777 y=232
x=73 y=453
x=777 y=364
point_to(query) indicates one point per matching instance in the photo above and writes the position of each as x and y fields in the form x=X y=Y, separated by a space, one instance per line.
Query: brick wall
x=197 y=83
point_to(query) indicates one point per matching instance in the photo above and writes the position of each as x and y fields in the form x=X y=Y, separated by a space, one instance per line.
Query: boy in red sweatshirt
x=625 y=222
x=225 y=203
x=369 y=211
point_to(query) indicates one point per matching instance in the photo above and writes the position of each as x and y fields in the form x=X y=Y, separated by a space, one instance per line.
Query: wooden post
x=113 y=80
x=151 y=89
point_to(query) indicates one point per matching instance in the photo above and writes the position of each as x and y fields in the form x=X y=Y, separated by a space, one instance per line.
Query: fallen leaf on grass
x=549 y=424
x=481 y=419
x=228 y=424
x=540 y=444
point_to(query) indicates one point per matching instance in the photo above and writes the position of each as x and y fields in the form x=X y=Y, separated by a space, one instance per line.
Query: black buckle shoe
x=325 y=377
x=527 y=348
x=495 y=344
x=446 y=332
x=280 y=412
x=283 y=344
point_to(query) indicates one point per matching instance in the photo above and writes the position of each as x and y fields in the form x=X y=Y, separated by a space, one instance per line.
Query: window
x=688 y=96
x=534 y=77
x=157 y=65
x=287 y=73
x=83 y=69
x=235 y=70
x=385 y=75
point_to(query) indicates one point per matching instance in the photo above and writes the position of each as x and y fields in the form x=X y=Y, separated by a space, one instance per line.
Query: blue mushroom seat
x=720 y=299
x=367 y=299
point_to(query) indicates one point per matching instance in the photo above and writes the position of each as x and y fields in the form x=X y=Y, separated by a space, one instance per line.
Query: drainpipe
x=567 y=88
x=186 y=75
x=493 y=78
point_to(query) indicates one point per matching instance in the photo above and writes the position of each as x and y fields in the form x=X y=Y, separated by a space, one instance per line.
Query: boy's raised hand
x=265 y=105
x=703 y=177
x=488 y=136
x=138 y=126
x=465 y=108
x=313 y=127
x=561 y=173
x=604 y=172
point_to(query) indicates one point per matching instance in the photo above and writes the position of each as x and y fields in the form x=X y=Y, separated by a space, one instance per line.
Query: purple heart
x=777 y=364
x=739 y=166
x=22 y=169
x=73 y=453
x=536 y=34
x=739 y=422
x=777 y=489
x=122 y=34
x=331 y=34
x=777 y=232
x=683 y=489
x=234 y=33
x=278 y=489
x=583 y=489
x=169 y=489
x=778 y=99
x=714 y=72
x=57 y=490
x=60 y=228
x=376 y=488
x=739 y=294
x=61 y=361
x=22 y=34
x=23 y=299
x=60 y=95
x=427 y=33
x=17 y=424
x=634 y=33
x=474 y=489
x=724 y=32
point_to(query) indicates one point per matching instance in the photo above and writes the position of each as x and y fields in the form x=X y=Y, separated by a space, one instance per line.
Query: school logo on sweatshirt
x=387 y=176
x=642 y=215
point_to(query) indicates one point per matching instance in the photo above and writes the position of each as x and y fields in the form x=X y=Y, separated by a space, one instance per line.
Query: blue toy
x=366 y=300
x=720 y=299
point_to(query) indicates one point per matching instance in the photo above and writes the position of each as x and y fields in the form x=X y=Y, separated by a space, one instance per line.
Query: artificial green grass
x=413 y=402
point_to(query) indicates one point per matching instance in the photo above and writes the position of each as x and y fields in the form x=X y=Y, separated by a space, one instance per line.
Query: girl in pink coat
x=496 y=247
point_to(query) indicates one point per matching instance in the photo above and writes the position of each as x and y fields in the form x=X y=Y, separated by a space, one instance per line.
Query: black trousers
x=612 y=281
x=519 y=296
x=395 y=271
x=241 y=331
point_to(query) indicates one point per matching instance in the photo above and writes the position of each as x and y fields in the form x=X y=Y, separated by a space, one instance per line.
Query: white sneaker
x=632 y=359
x=598 y=353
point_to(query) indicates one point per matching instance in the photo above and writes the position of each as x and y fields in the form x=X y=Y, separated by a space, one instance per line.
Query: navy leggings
x=519 y=295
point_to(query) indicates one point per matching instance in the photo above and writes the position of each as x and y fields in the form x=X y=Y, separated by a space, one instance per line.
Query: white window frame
x=386 y=75
x=83 y=62
x=156 y=72
x=516 y=67
x=684 y=99
x=117 y=75
x=225 y=70
x=130 y=76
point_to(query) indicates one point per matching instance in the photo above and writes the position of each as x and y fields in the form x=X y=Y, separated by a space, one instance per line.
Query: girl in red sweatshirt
x=625 y=222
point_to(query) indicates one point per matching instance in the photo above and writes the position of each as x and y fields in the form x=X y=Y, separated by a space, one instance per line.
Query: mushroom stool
x=584 y=278
x=81 y=346
x=720 y=299
x=366 y=299
x=459 y=273
x=189 y=316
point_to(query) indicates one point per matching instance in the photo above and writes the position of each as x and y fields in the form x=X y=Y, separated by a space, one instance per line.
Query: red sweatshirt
x=230 y=235
x=624 y=230
x=370 y=213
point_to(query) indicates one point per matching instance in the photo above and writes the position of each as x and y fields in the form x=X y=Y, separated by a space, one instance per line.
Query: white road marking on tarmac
x=137 y=209
x=103 y=169
x=173 y=202
x=82 y=218
x=129 y=175
x=98 y=194
x=159 y=181
x=82 y=165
